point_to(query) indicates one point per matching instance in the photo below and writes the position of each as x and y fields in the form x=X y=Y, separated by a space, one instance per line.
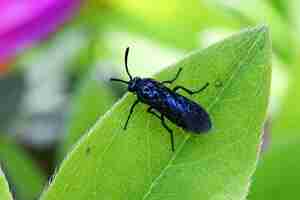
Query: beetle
x=167 y=103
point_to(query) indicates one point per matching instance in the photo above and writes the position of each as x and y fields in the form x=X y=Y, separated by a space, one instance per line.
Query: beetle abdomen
x=187 y=114
x=197 y=119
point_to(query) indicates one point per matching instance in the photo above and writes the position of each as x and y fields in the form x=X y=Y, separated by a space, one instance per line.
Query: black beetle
x=178 y=109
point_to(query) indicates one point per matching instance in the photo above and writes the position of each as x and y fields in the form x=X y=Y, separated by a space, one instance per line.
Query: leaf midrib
x=217 y=98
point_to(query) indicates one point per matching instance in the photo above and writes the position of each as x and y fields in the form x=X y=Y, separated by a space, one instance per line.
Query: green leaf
x=277 y=175
x=110 y=163
x=4 y=189
x=26 y=177
x=91 y=101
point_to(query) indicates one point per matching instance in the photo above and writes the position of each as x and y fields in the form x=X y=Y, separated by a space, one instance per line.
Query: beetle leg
x=190 y=91
x=130 y=112
x=174 y=79
x=169 y=130
x=149 y=110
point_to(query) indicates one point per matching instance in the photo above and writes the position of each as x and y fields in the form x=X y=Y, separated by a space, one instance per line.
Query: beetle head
x=132 y=85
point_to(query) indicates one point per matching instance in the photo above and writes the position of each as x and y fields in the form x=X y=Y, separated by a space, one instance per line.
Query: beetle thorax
x=147 y=90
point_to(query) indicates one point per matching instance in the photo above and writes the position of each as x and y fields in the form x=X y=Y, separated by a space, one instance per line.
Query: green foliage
x=166 y=23
x=286 y=123
x=24 y=174
x=277 y=174
x=92 y=99
x=256 y=11
x=109 y=163
x=4 y=189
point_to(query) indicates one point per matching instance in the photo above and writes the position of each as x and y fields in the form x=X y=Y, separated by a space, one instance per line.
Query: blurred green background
x=53 y=92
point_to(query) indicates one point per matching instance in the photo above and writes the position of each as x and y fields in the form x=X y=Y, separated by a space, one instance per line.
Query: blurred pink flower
x=25 y=22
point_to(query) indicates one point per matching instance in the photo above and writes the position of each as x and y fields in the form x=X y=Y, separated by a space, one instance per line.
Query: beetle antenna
x=126 y=66
x=119 y=80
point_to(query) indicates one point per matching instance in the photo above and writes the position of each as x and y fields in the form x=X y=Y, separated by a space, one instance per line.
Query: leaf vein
x=231 y=78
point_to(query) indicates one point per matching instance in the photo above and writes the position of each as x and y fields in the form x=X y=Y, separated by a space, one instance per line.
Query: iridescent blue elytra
x=167 y=103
